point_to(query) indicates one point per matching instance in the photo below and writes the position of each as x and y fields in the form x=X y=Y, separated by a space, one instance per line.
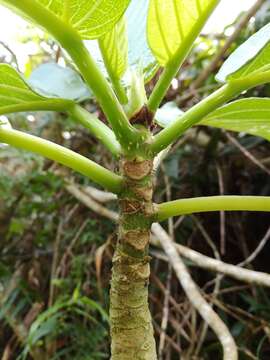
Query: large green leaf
x=16 y=95
x=91 y=18
x=251 y=57
x=251 y=116
x=173 y=25
x=56 y=81
x=114 y=49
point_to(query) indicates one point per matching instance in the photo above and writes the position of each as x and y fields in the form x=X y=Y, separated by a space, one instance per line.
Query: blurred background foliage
x=55 y=254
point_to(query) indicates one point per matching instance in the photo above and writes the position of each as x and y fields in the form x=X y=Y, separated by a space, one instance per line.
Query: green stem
x=212 y=203
x=71 y=41
x=42 y=105
x=172 y=68
x=124 y=131
x=88 y=120
x=117 y=86
x=69 y=158
x=97 y=128
x=194 y=115
x=119 y=90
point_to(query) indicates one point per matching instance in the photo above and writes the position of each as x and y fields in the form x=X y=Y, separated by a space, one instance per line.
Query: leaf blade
x=90 y=18
x=16 y=95
x=185 y=18
x=251 y=116
x=114 y=48
x=61 y=82
x=249 y=58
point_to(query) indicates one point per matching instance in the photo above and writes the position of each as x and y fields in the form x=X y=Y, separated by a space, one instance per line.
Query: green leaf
x=253 y=56
x=139 y=54
x=167 y=114
x=251 y=116
x=91 y=18
x=16 y=95
x=56 y=81
x=173 y=25
x=114 y=49
x=13 y=89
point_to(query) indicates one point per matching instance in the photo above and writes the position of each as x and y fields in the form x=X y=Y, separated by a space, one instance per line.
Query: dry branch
x=195 y=297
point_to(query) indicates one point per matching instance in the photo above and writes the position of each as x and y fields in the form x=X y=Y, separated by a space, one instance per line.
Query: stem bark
x=131 y=323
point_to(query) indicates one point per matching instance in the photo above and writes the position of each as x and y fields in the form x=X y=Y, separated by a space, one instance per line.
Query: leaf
x=91 y=18
x=167 y=114
x=251 y=116
x=114 y=48
x=173 y=25
x=53 y=80
x=16 y=95
x=139 y=54
x=14 y=90
x=251 y=57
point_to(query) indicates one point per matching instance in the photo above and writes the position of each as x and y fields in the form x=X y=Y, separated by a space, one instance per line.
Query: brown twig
x=258 y=249
x=195 y=297
x=246 y=153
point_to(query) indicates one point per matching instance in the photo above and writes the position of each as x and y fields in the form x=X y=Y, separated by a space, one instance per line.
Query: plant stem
x=212 y=203
x=97 y=128
x=71 y=41
x=42 y=105
x=125 y=133
x=194 y=115
x=131 y=323
x=119 y=90
x=69 y=158
x=172 y=68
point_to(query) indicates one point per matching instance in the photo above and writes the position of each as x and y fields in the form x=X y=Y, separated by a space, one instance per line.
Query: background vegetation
x=54 y=274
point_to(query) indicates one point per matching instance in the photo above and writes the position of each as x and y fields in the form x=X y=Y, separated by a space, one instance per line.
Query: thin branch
x=12 y=53
x=91 y=203
x=234 y=271
x=247 y=154
x=99 y=195
x=212 y=203
x=195 y=297
x=62 y=155
x=257 y=251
